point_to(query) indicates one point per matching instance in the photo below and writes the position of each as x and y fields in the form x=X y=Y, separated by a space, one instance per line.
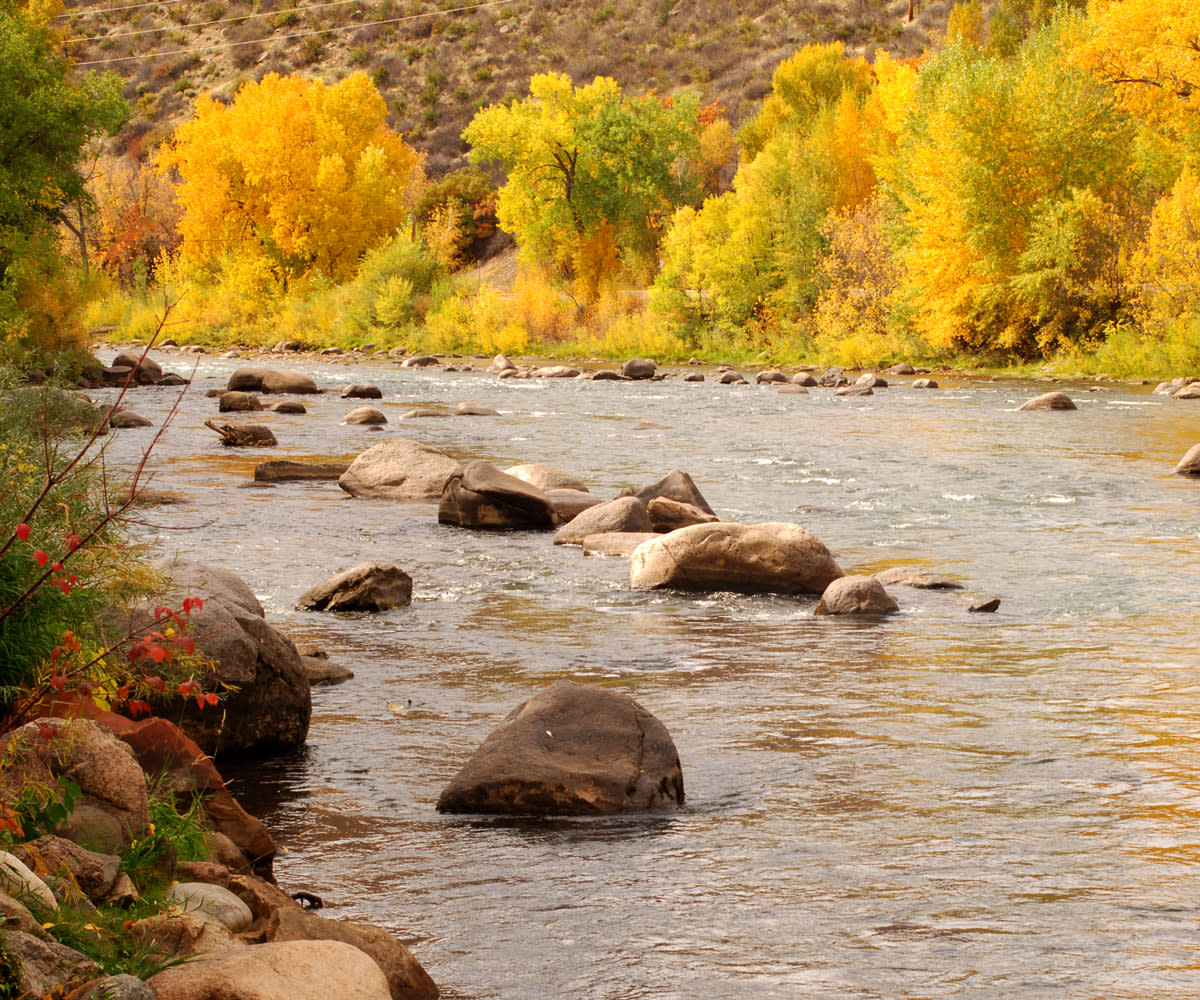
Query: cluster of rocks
x=1186 y=387
x=241 y=934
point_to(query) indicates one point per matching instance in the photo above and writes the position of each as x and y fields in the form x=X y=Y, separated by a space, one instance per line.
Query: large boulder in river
x=675 y=485
x=622 y=514
x=239 y=402
x=571 y=749
x=271 y=380
x=639 y=368
x=146 y=371
x=1049 y=401
x=1189 y=465
x=369 y=586
x=481 y=496
x=266 y=701
x=856 y=595
x=547 y=477
x=399 y=469
x=771 y=558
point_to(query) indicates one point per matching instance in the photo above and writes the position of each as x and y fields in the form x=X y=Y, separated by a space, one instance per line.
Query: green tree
x=591 y=174
x=47 y=116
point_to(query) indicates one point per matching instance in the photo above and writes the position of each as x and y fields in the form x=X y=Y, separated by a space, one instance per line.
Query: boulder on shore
x=856 y=595
x=371 y=586
x=399 y=469
x=571 y=749
x=770 y=558
x=266 y=701
x=481 y=496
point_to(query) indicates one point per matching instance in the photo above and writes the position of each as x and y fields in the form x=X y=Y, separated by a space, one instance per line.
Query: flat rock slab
x=284 y=471
x=615 y=543
x=399 y=469
x=547 y=477
x=623 y=514
x=911 y=576
x=570 y=750
x=770 y=558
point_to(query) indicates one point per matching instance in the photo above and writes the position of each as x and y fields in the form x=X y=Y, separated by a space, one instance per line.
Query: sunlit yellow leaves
x=304 y=175
x=1167 y=265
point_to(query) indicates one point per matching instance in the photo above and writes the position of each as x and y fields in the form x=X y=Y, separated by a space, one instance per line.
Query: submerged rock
x=369 y=586
x=1049 y=401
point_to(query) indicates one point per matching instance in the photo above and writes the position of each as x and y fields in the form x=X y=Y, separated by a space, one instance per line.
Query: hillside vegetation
x=437 y=63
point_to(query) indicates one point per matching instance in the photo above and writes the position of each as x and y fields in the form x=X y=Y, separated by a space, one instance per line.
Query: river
x=938 y=804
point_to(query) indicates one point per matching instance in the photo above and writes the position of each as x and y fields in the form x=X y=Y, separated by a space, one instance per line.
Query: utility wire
x=220 y=20
x=295 y=34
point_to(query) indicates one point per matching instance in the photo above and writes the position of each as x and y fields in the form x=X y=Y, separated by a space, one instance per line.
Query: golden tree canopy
x=302 y=173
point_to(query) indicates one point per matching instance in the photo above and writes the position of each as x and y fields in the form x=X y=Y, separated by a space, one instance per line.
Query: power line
x=220 y=20
x=295 y=34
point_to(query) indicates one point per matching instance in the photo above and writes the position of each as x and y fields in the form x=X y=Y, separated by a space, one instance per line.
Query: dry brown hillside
x=436 y=63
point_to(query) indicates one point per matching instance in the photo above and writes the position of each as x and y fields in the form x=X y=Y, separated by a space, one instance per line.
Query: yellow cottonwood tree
x=300 y=174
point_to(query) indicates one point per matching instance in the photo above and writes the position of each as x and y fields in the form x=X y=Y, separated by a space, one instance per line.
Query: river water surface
x=939 y=804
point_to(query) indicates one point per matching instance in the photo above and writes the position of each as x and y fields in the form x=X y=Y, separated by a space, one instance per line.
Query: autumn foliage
x=301 y=176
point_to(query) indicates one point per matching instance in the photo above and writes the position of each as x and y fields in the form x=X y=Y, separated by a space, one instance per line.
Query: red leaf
x=158 y=653
x=157 y=683
x=186 y=644
x=40 y=558
x=138 y=707
x=210 y=698
x=22 y=531
x=47 y=731
x=73 y=541
x=58 y=682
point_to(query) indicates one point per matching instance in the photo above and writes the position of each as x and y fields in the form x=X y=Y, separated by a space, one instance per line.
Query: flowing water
x=939 y=804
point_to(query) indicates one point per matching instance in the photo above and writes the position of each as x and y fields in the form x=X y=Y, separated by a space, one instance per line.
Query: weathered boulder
x=184 y=935
x=420 y=361
x=668 y=515
x=399 y=469
x=47 y=968
x=555 y=371
x=731 y=377
x=569 y=504
x=372 y=586
x=902 y=368
x=925 y=383
x=913 y=576
x=481 y=496
x=321 y=669
x=284 y=471
x=1049 y=401
x=243 y=435
x=501 y=363
x=406 y=978
x=622 y=514
x=121 y=418
x=237 y=401
x=571 y=749
x=361 y=390
x=146 y=371
x=112 y=810
x=1189 y=465
x=790 y=389
x=288 y=383
x=266 y=700
x=1189 y=391
x=283 y=970
x=804 y=379
x=547 y=477
x=871 y=381
x=854 y=390
x=287 y=406
x=856 y=595
x=120 y=987
x=833 y=378
x=18 y=880
x=364 y=415
x=769 y=376
x=675 y=485
x=615 y=543
x=57 y=860
x=775 y=557
x=471 y=408
x=211 y=902
x=639 y=368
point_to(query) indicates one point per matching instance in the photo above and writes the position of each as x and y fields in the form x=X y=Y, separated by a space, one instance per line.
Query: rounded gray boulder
x=571 y=750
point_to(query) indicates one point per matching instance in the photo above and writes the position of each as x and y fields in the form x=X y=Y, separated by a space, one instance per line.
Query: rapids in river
x=936 y=804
